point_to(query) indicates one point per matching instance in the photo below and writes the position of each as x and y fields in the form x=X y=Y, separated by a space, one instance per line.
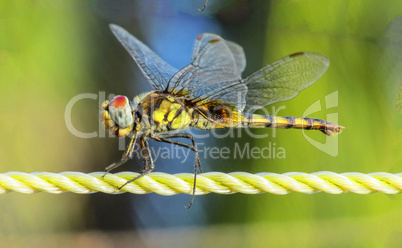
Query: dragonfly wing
x=213 y=74
x=155 y=69
x=283 y=79
x=239 y=56
x=237 y=50
x=231 y=94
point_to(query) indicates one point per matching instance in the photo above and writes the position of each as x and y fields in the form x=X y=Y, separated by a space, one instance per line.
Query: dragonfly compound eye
x=120 y=111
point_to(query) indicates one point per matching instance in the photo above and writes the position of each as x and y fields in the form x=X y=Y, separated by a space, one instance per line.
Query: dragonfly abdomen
x=262 y=121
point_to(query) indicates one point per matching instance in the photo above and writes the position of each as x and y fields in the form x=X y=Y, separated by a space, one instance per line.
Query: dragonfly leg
x=197 y=165
x=126 y=156
x=147 y=159
x=166 y=138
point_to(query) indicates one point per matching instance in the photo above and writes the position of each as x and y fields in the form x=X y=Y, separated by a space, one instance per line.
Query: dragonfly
x=206 y=94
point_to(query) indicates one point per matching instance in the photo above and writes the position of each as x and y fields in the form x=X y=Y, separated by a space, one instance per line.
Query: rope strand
x=211 y=182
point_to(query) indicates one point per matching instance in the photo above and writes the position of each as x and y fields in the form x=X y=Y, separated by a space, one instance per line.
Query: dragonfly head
x=117 y=116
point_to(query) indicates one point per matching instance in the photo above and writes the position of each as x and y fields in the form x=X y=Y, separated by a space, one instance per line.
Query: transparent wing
x=239 y=56
x=236 y=50
x=213 y=74
x=283 y=79
x=156 y=70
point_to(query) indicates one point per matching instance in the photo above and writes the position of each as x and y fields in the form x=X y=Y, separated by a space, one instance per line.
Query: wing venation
x=156 y=70
x=283 y=79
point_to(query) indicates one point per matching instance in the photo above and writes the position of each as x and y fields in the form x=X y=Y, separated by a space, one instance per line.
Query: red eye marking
x=199 y=37
x=119 y=102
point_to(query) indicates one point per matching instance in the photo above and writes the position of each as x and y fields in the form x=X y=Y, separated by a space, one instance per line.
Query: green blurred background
x=51 y=51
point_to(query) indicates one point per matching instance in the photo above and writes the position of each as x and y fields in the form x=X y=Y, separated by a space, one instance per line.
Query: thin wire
x=211 y=182
x=203 y=8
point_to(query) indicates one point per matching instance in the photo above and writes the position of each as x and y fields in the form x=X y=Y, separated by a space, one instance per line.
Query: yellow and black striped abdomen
x=261 y=121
